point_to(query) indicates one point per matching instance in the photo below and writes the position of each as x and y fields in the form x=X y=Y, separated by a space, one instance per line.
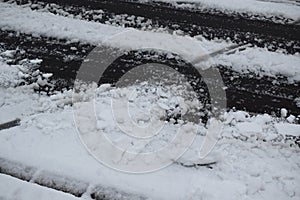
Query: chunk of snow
x=36 y=61
x=8 y=53
x=47 y=75
x=291 y=119
x=288 y=129
x=283 y=112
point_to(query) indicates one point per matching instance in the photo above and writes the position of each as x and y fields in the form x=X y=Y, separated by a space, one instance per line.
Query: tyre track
x=245 y=92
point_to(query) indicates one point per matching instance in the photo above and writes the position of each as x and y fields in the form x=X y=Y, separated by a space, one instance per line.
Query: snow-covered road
x=257 y=156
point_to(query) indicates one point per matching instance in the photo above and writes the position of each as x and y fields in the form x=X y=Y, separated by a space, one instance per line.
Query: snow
x=12 y=188
x=246 y=166
x=287 y=8
x=283 y=112
x=47 y=75
x=262 y=62
x=257 y=60
x=253 y=159
x=8 y=75
x=36 y=61
x=291 y=118
x=8 y=53
x=297 y=100
x=288 y=129
x=51 y=25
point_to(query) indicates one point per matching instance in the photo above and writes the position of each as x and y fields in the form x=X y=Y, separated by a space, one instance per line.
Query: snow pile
x=148 y=107
x=265 y=128
x=24 y=73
